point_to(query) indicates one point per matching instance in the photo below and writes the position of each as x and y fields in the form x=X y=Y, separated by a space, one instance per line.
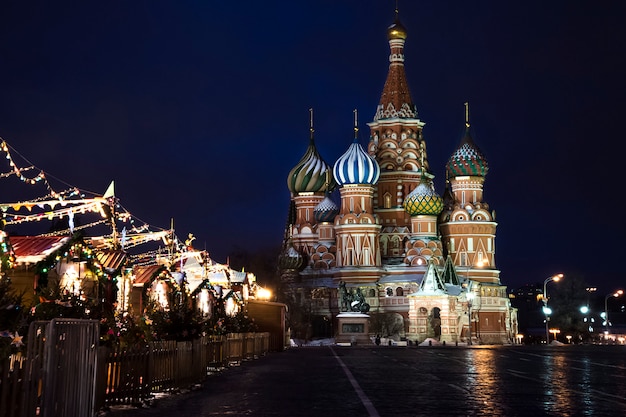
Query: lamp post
x=585 y=312
x=546 y=310
x=606 y=310
x=470 y=297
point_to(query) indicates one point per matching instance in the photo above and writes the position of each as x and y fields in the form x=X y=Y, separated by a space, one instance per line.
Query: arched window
x=464 y=259
x=399 y=292
x=387 y=203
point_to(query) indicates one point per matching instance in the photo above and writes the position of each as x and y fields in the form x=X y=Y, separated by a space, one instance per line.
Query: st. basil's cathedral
x=423 y=260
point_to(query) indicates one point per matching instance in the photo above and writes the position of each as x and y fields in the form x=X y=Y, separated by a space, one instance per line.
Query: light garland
x=67 y=231
x=8 y=174
x=18 y=172
x=7 y=256
x=94 y=206
x=69 y=207
x=71 y=192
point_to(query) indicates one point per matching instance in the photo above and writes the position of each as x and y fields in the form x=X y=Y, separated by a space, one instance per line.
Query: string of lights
x=67 y=231
x=73 y=202
x=8 y=174
x=19 y=173
x=56 y=214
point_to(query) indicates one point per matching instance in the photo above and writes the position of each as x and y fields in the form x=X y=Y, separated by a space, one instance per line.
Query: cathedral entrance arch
x=398 y=325
x=434 y=323
x=321 y=327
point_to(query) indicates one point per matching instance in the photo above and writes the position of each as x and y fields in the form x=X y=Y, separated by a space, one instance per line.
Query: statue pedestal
x=353 y=328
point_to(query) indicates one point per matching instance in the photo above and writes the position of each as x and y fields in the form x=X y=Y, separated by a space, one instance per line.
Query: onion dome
x=396 y=30
x=356 y=166
x=467 y=159
x=326 y=210
x=423 y=200
x=311 y=174
x=290 y=258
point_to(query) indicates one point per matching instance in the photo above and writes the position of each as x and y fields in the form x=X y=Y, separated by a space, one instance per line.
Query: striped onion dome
x=467 y=159
x=423 y=200
x=355 y=166
x=311 y=174
x=326 y=210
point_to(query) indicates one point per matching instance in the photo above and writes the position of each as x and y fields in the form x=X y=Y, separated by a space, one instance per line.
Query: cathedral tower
x=397 y=143
x=424 y=205
x=468 y=232
x=467 y=226
x=356 y=225
x=308 y=182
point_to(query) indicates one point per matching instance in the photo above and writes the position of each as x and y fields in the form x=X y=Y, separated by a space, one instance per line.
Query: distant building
x=528 y=300
x=422 y=264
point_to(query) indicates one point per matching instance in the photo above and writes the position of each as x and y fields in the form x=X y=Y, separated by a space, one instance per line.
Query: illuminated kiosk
x=353 y=328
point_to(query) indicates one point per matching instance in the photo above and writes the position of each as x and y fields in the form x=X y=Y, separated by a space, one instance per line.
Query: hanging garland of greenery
x=75 y=248
x=7 y=256
x=162 y=274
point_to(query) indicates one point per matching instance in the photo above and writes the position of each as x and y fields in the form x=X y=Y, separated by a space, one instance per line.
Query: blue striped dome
x=355 y=166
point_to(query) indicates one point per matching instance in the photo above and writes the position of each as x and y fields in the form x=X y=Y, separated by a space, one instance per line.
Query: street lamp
x=606 y=310
x=263 y=294
x=546 y=310
x=585 y=312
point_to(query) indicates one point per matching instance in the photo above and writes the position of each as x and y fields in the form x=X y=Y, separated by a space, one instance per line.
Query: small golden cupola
x=396 y=30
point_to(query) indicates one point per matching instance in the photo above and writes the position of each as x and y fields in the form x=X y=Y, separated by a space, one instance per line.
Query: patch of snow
x=317 y=342
x=430 y=342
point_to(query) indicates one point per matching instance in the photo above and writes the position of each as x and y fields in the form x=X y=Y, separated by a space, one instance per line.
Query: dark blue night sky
x=199 y=109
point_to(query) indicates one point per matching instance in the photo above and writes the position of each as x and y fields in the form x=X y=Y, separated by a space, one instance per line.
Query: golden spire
x=311 y=130
x=422 y=169
x=356 y=124
x=467 y=123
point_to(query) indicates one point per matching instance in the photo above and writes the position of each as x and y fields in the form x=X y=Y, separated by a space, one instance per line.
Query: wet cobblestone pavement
x=411 y=381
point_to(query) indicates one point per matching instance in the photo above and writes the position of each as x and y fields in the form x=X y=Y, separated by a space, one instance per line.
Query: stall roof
x=32 y=249
x=143 y=273
x=111 y=259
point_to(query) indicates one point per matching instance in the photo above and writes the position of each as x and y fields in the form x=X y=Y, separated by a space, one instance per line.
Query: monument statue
x=345 y=297
x=350 y=301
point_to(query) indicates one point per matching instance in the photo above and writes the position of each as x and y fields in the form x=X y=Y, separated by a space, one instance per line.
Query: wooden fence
x=131 y=377
x=121 y=376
